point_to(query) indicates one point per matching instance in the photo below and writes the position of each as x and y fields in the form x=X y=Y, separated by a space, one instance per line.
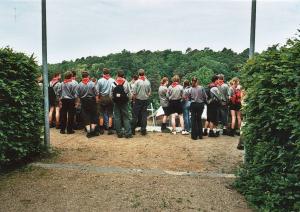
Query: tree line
x=200 y=63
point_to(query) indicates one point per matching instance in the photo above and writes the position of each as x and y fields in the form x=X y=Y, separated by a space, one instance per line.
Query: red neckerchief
x=212 y=85
x=120 y=81
x=106 y=76
x=142 y=78
x=174 y=84
x=54 y=80
x=85 y=80
x=68 y=80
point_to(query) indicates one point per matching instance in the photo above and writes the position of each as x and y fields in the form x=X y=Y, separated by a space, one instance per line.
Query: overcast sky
x=80 y=28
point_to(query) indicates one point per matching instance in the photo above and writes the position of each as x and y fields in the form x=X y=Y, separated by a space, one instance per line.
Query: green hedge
x=21 y=107
x=270 y=179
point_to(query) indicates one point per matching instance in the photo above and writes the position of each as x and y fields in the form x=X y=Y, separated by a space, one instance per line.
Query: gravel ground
x=38 y=189
x=156 y=150
x=76 y=189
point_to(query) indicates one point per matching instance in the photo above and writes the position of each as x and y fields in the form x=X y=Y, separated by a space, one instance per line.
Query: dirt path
x=156 y=150
x=159 y=172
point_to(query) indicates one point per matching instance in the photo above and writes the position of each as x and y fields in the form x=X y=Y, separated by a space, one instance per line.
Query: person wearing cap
x=141 y=93
x=87 y=93
x=105 y=103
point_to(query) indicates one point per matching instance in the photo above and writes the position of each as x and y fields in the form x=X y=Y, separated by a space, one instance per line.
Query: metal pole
x=45 y=76
x=252 y=33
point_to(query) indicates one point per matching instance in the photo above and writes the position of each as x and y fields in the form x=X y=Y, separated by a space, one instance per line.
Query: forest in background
x=200 y=63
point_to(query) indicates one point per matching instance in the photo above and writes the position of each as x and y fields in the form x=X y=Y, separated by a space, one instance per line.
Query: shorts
x=213 y=113
x=166 y=110
x=53 y=102
x=175 y=106
x=105 y=105
x=235 y=107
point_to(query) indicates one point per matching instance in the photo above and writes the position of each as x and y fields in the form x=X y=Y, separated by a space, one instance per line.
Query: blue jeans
x=186 y=115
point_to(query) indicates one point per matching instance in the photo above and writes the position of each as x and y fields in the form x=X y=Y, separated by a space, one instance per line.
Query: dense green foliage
x=21 y=107
x=201 y=63
x=270 y=178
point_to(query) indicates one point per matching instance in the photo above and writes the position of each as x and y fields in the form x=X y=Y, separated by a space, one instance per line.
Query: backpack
x=224 y=100
x=119 y=94
x=51 y=93
x=236 y=97
x=212 y=99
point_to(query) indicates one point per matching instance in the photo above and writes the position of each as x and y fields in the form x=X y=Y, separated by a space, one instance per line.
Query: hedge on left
x=21 y=116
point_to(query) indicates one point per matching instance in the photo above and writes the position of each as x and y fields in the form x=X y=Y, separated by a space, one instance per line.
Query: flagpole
x=252 y=31
x=45 y=76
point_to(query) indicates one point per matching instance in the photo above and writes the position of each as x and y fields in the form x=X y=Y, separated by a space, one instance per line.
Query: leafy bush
x=21 y=107
x=270 y=178
x=204 y=75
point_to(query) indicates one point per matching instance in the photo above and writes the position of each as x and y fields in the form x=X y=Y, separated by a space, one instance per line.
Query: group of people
x=188 y=102
x=111 y=100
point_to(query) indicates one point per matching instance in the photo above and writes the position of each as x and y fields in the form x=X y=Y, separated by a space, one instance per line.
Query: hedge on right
x=270 y=178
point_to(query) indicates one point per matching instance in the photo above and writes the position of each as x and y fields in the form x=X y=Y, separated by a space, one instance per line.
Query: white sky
x=80 y=28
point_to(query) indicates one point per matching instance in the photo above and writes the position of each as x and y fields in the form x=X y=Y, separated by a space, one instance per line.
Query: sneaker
x=184 y=132
x=62 y=132
x=225 y=132
x=144 y=133
x=120 y=136
x=217 y=133
x=238 y=133
x=174 y=132
x=205 y=132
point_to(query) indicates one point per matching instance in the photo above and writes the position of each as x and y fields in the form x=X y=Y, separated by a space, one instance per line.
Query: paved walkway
x=118 y=170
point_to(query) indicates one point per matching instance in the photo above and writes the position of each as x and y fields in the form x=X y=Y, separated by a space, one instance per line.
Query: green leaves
x=270 y=178
x=20 y=107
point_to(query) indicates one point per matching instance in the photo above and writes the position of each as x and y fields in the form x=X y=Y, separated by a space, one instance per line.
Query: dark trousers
x=89 y=111
x=140 y=112
x=67 y=114
x=121 y=114
x=196 y=112
x=223 y=115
